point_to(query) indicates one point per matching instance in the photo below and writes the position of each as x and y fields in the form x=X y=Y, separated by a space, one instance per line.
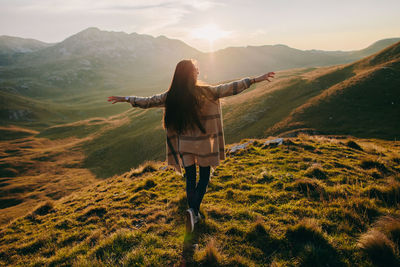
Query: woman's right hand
x=116 y=99
x=265 y=77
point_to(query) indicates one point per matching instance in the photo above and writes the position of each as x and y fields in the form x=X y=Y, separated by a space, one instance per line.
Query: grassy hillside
x=41 y=114
x=366 y=104
x=313 y=201
x=254 y=111
x=361 y=99
x=37 y=156
x=33 y=169
x=61 y=159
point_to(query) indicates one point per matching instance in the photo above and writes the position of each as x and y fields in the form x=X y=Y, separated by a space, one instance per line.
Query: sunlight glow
x=209 y=32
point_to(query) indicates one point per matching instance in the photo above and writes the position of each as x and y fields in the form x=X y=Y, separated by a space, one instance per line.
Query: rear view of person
x=194 y=128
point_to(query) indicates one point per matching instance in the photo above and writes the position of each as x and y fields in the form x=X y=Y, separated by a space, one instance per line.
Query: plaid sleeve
x=157 y=100
x=231 y=88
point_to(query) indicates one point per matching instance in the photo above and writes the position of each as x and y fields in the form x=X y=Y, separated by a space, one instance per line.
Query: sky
x=210 y=25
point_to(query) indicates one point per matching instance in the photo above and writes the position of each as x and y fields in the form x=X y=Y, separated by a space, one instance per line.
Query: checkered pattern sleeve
x=157 y=100
x=231 y=88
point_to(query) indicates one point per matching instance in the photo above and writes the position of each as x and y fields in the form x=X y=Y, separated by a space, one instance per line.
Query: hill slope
x=303 y=203
x=360 y=99
x=364 y=103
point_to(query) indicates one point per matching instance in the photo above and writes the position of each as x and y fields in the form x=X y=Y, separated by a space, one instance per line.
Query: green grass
x=313 y=201
x=365 y=105
x=59 y=132
x=253 y=117
x=127 y=145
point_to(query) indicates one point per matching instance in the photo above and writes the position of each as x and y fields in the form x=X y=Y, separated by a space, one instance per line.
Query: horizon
x=211 y=25
x=238 y=46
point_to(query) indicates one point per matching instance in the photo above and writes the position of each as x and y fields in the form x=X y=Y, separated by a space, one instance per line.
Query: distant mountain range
x=43 y=84
x=115 y=59
x=250 y=60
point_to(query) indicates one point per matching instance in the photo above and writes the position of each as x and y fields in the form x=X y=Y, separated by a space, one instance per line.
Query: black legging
x=195 y=193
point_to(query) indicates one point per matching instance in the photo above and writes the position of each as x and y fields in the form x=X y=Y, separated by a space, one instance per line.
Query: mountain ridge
x=379 y=43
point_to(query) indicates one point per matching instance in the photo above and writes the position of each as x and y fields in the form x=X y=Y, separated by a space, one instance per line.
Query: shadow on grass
x=191 y=240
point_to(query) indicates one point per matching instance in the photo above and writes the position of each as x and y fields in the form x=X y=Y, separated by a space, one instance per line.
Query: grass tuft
x=147 y=184
x=95 y=211
x=41 y=243
x=44 y=208
x=211 y=256
x=309 y=187
x=315 y=172
x=312 y=248
x=306 y=230
x=234 y=231
x=147 y=167
x=379 y=248
x=388 y=194
x=370 y=164
x=265 y=177
x=390 y=225
x=94 y=237
x=135 y=258
x=65 y=224
x=354 y=145
x=259 y=237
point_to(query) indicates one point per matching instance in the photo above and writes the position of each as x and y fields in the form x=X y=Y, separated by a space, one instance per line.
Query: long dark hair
x=183 y=102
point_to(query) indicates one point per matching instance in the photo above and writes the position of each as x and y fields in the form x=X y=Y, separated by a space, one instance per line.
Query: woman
x=193 y=123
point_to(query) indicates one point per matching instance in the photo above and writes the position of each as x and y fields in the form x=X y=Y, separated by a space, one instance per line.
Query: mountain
x=248 y=61
x=77 y=74
x=11 y=47
x=312 y=201
x=93 y=59
x=375 y=47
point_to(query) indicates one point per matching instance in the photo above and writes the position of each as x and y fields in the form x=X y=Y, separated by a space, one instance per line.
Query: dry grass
x=35 y=161
x=380 y=249
x=259 y=209
x=211 y=255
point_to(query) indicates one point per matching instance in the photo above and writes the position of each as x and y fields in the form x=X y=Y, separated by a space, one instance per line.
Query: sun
x=209 y=32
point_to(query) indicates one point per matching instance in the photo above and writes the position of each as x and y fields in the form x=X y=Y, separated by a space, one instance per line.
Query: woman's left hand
x=116 y=99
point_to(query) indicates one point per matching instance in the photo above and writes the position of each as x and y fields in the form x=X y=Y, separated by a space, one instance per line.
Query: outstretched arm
x=157 y=100
x=235 y=87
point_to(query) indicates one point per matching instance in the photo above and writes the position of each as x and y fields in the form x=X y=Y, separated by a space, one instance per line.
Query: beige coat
x=204 y=149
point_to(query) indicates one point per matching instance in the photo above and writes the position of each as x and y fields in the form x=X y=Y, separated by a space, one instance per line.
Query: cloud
x=109 y=5
x=145 y=16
